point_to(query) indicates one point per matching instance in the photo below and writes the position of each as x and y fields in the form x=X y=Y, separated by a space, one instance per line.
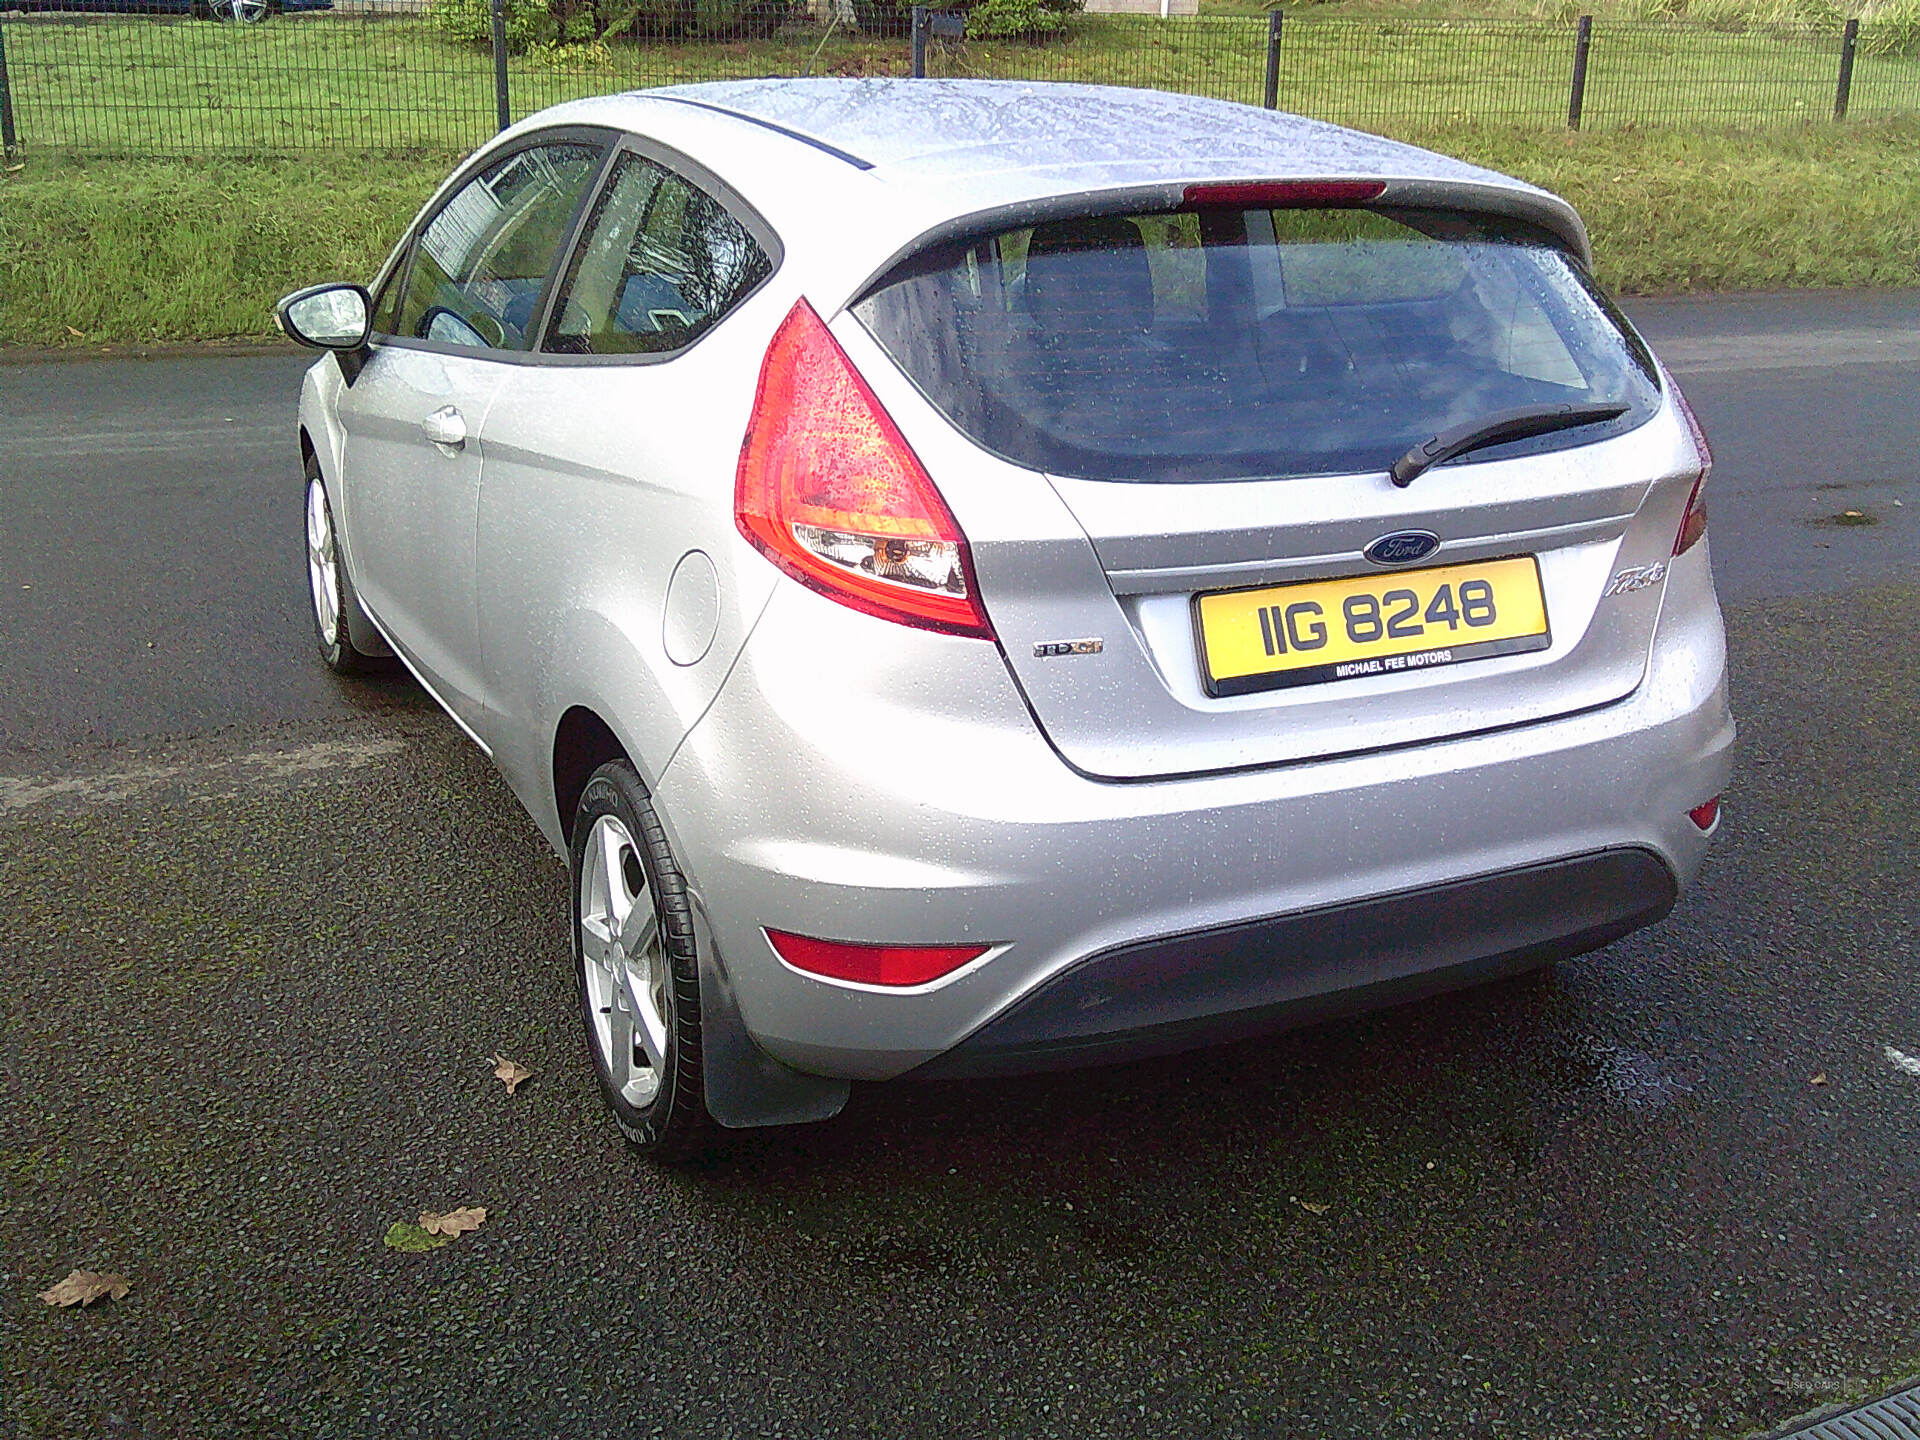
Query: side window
x=480 y=264
x=658 y=265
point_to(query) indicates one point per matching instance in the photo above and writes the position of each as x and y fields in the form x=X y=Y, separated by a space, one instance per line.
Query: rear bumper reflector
x=872 y=964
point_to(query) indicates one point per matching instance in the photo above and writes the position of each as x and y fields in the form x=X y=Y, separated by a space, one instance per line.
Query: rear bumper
x=911 y=800
x=1157 y=997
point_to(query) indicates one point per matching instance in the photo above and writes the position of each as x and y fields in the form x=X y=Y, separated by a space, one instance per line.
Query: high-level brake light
x=1282 y=194
x=829 y=490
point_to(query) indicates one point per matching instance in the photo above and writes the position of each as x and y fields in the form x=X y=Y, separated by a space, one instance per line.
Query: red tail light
x=1694 y=523
x=830 y=492
x=1706 y=815
x=873 y=964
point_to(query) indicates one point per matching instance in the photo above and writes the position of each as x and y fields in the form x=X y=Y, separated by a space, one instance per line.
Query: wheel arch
x=582 y=743
x=744 y=1086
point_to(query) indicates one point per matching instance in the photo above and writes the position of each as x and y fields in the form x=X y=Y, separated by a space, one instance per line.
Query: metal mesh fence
x=177 y=84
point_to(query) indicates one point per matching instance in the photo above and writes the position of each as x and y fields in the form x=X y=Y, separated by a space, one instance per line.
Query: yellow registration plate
x=1369 y=624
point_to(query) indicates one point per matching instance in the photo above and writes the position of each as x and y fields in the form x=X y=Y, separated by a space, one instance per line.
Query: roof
x=883 y=164
x=975 y=127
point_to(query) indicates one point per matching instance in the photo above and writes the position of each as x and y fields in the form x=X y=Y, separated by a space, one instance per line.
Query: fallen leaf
x=1309 y=1206
x=76 y=334
x=511 y=1072
x=1819 y=1079
x=83 y=1287
x=454 y=1222
x=411 y=1238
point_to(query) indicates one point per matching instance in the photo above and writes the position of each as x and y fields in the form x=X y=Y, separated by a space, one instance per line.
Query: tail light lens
x=830 y=492
x=1707 y=815
x=1694 y=523
x=872 y=964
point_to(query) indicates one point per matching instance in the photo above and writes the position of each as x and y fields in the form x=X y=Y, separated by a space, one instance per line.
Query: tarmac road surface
x=261 y=932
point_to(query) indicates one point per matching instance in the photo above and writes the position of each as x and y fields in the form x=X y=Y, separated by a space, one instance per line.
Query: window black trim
x=617 y=143
x=609 y=143
x=701 y=178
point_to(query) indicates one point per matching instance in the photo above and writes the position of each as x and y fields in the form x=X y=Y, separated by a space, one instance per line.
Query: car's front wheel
x=331 y=587
x=634 y=952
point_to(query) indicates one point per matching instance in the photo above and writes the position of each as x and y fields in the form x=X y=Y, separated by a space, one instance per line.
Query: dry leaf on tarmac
x=510 y=1071
x=1819 y=1079
x=1310 y=1207
x=454 y=1222
x=83 y=1287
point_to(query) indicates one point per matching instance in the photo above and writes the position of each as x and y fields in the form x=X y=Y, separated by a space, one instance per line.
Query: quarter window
x=481 y=262
x=660 y=262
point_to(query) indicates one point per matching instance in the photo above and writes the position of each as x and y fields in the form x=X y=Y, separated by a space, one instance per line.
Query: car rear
x=1117 y=698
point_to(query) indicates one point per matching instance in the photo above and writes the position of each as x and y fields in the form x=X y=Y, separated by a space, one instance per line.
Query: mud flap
x=365 y=635
x=746 y=1087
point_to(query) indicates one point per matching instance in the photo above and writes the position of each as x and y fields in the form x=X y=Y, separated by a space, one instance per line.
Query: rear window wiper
x=1493 y=430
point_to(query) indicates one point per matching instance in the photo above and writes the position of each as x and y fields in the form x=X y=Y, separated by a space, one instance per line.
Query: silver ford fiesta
x=978 y=577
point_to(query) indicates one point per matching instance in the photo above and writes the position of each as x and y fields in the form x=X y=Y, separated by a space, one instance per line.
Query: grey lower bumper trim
x=1164 y=995
x=1895 y=1418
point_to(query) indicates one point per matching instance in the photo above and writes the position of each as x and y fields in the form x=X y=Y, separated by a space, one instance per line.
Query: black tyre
x=639 y=978
x=330 y=587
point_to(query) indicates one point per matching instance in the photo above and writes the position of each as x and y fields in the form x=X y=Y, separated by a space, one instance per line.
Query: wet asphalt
x=261 y=932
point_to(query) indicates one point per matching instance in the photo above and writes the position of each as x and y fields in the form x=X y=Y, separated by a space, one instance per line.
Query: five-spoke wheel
x=634 y=949
x=623 y=970
x=332 y=588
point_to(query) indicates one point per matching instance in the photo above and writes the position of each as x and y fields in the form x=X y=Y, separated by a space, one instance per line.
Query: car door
x=462 y=311
x=610 y=463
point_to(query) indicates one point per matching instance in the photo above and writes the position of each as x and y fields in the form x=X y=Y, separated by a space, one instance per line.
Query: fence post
x=1849 y=41
x=502 y=109
x=1271 y=95
x=1582 y=42
x=919 y=42
x=9 y=138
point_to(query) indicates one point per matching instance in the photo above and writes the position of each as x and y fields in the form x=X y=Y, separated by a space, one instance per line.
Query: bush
x=1015 y=19
x=986 y=19
x=530 y=23
x=545 y=28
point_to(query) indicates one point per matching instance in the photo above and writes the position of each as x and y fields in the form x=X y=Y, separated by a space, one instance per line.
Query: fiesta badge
x=1402 y=547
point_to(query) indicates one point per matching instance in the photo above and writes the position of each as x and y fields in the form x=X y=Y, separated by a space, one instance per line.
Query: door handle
x=446 y=426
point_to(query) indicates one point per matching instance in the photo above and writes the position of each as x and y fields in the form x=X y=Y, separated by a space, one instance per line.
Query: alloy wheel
x=623 y=963
x=323 y=563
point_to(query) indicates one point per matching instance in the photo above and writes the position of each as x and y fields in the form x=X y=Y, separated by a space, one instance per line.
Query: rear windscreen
x=1220 y=344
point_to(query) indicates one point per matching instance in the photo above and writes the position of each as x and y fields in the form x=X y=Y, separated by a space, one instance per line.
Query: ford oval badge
x=1402 y=547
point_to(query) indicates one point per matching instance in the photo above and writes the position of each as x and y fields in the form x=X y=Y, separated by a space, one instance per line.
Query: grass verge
x=136 y=86
x=137 y=252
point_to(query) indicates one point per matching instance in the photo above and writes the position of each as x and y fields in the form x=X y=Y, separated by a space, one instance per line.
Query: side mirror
x=327 y=317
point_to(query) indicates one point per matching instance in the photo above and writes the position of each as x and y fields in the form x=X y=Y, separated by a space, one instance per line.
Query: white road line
x=20 y=792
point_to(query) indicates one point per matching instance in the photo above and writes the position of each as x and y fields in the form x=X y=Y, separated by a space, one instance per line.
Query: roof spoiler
x=1539 y=208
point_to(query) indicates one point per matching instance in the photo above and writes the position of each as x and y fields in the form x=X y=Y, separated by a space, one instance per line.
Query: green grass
x=126 y=252
x=128 y=85
x=133 y=252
